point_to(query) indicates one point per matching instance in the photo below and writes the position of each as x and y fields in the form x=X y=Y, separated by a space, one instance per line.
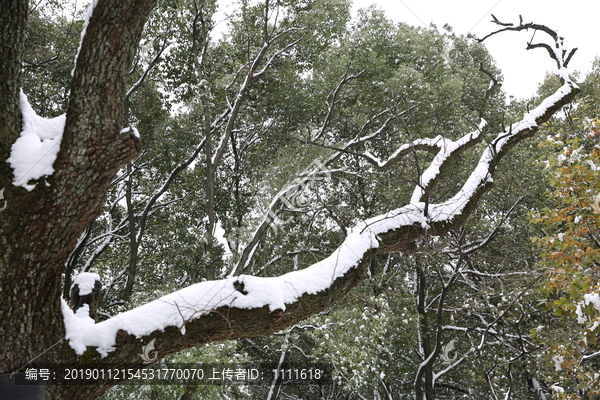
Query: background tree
x=571 y=249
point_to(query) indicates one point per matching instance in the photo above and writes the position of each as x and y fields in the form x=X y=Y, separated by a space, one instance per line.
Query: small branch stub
x=86 y=290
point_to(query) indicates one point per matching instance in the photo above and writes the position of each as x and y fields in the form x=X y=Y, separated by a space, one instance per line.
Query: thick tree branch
x=107 y=51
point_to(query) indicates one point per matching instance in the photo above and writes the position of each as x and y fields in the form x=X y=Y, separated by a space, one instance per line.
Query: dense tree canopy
x=254 y=175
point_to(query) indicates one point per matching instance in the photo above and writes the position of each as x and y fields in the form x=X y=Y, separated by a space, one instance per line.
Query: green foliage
x=51 y=42
x=570 y=248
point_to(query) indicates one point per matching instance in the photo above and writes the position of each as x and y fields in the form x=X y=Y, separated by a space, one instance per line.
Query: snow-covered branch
x=145 y=74
x=278 y=53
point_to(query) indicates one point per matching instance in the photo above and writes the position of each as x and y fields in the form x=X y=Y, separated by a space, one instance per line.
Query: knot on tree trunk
x=86 y=290
x=128 y=146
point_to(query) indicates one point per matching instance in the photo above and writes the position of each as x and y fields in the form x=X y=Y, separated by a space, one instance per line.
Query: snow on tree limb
x=86 y=21
x=246 y=306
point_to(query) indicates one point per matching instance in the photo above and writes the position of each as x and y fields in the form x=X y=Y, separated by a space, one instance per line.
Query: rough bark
x=13 y=17
x=39 y=229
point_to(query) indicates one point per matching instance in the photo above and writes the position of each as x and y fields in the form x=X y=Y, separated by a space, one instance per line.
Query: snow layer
x=593 y=298
x=558 y=362
x=76 y=325
x=128 y=129
x=34 y=152
x=178 y=308
x=86 y=281
x=447 y=147
x=581 y=318
x=86 y=22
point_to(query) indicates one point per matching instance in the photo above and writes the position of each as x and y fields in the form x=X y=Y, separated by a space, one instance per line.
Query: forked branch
x=557 y=52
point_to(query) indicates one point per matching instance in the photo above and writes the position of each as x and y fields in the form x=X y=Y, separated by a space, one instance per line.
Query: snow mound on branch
x=86 y=282
x=34 y=152
x=76 y=325
x=128 y=129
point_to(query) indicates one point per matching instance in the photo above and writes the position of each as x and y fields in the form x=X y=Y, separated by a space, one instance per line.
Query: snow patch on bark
x=34 y=152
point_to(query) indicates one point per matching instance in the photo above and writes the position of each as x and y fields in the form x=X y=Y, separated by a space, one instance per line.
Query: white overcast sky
x=576 y=20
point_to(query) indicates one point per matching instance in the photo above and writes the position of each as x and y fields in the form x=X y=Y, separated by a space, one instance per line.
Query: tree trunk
x=133 y=238
x=40 y=228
